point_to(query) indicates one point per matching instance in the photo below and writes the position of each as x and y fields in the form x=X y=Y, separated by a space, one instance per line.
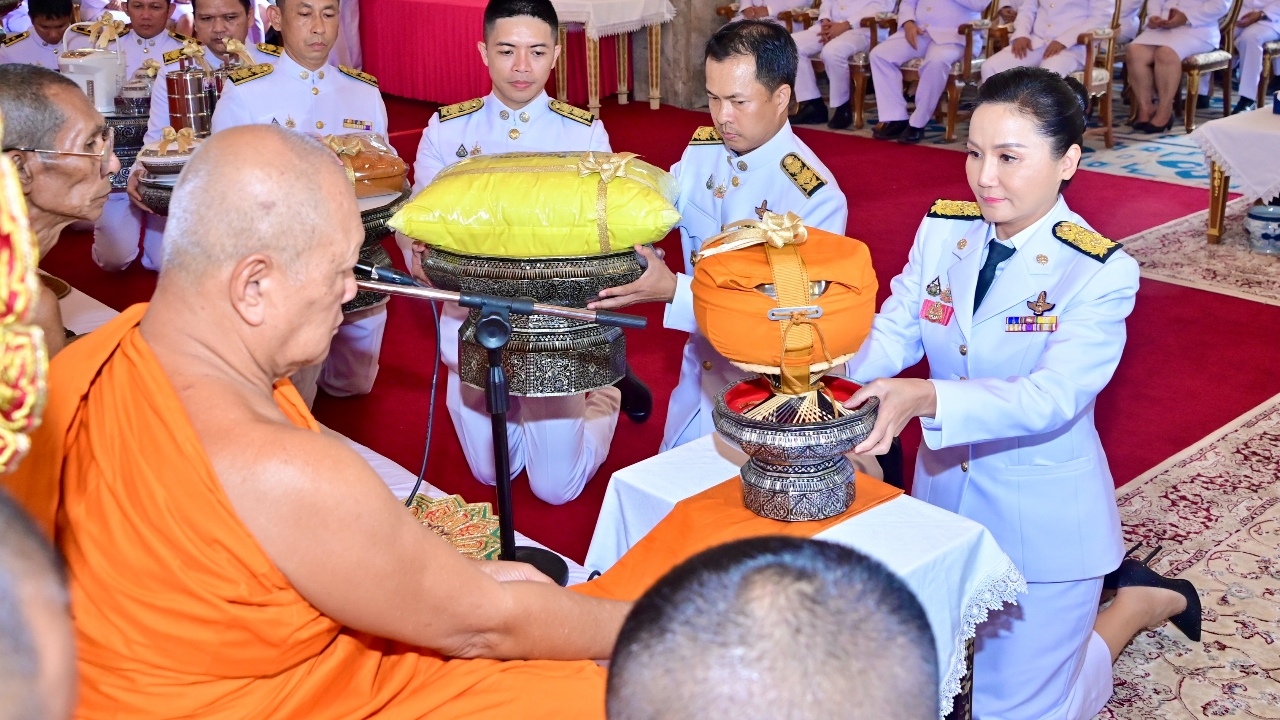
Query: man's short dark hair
x=538 y=9
x=246 y=4
x=52 y=9
x=775 y=627
x=768 y=42
x=31 y=119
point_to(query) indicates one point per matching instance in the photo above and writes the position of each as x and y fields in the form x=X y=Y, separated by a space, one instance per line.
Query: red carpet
x=1169 y=392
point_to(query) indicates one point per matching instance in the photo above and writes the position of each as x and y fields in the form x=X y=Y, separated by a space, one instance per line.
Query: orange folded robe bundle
x=178 y=610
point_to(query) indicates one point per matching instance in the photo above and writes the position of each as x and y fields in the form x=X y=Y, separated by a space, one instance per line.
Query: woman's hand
x=1155 y=22
x=900 y=400
x=1176 y=19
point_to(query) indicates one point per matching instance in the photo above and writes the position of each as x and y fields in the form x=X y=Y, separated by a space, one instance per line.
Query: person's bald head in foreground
x=775 y=628
x=37 y=644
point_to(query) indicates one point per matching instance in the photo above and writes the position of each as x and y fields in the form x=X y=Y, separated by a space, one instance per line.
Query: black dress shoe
x=842 y=118
x=911 y=135
x=637 y=401
x=811 y=112
x=1135 y=573
x=1273 y=85
x=1244 y=104
x=889 y=130
x=1202 y=102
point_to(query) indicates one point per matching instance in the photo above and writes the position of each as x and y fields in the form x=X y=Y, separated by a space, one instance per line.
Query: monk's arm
x=355 y=553
x=48 y=316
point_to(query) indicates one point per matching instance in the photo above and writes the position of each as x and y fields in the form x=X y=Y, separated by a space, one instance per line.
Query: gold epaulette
x=457 y=110
x=805 y=177
x=17 y=38
x=81 y=29
x=252 y=72
x=269 y=49
x=172 y=56
x=576 y=114
x=363 y=77
x=182 y=38
x=1085 y=240
x=706 y=136
x=955 y=210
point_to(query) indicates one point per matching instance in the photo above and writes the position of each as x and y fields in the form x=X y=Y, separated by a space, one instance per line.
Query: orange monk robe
x=180 y=613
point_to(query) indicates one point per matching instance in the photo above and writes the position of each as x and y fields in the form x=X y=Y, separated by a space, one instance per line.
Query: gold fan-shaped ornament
x=472 y=528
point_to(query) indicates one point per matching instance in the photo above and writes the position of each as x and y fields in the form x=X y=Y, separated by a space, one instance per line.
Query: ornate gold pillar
x=1219 y=184
x=593 y=75
x=562 y=66
x=624 y=64
x=655 y=66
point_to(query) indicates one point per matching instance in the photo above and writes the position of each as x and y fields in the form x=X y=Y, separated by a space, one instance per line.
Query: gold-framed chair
x=1214 y=62
x=1098 y=74
x=860 y=67
x=1270 y=51
x=787 y=17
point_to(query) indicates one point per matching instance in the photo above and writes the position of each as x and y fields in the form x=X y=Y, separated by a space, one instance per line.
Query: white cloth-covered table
x=1244 y=146
x=602 y=18
x=951 y=563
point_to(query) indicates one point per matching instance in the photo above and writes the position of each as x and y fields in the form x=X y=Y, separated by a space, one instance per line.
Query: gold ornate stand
x=655 y=66
x=1219 y=182
x=624 y=63
x=593 y=75
x=562 y=66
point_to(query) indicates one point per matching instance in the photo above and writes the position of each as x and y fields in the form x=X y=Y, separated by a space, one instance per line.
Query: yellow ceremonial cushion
x=533 y=205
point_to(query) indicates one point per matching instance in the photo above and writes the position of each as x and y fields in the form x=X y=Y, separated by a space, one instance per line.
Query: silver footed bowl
x=795 y=471
x=155 y=195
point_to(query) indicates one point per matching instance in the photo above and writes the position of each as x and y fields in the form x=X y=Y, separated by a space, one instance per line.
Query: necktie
x=996 y=254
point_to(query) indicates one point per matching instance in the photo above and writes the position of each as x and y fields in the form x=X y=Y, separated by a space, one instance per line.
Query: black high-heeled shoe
x=1153 y=129
x=1134 y=573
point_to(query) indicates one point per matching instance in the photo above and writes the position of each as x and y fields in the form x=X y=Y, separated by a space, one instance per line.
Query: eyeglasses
x=108 y=150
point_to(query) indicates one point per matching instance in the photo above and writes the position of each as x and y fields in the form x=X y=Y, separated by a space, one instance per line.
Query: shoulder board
x=127 y=31
x=457 y=110
x=182 y=38
x=172 y=56
x=706 y=136
x=573 y=113
x=363 y=77
x=955 y=210
x=252 y=72
x=1085 y=240
x=805 y=177
x=11 y=39
x=269 y=49
x=81 y=29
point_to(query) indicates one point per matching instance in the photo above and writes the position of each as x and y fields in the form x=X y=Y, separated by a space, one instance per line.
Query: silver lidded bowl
x=1263 y=227
x=795 y=471
x=155 y=194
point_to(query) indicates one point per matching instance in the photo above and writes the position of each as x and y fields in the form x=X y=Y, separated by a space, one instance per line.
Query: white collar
x=1020 y=239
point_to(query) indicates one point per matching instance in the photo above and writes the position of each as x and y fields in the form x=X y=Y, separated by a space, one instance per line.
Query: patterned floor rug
x=1216 y=510
x=1178 y=253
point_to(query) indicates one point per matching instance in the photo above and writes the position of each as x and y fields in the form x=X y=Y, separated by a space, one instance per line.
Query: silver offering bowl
x=795 y=471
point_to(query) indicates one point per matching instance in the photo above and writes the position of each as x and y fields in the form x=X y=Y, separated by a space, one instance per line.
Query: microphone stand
x=493 y=331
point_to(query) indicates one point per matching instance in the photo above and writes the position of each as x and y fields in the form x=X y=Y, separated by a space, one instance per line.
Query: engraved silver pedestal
x=374 y=217
x=796 y=472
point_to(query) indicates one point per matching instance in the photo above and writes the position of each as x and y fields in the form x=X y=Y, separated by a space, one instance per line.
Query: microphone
x=384 y=274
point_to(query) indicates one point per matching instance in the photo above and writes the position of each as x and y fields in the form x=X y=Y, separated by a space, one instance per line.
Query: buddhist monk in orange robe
x=227 y=559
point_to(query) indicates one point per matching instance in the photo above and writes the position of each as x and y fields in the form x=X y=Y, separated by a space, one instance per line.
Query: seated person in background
x=63 y=152
x=561 y=441
x=1258 y=25
x=767 y=9
x=1130 y=20
x=297 y=585
x=1176 y=29
x=1045 y=35
x=836 y=38
x=37 y=641
x=41 y=44
x=775 y=627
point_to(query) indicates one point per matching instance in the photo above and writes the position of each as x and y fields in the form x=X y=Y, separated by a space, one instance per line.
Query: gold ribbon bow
x=236 y=49
x=193 y=50
x=614 y=167
x=776 y=230
x=347 y=147
x=151 y=67
x=184 y=138
x=104 y=30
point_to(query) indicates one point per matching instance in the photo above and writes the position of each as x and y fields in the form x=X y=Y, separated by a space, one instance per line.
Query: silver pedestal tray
x=547 y=356
x=796 y=472
x=374 y=217
x=129 y=130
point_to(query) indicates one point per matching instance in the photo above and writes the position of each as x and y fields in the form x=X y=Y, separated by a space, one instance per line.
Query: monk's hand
x=657 y=284
x=1054 y=48
x=900 y=400
x=506 y=571
x=420 y=252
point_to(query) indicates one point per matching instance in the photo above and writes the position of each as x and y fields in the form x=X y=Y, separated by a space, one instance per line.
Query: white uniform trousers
x=1249 y=42
x=352 y=363
x=1041 y=659
x=115 y=235
x=886 y=72
x=1064 y=63
x=835 y=56
x=561 y=441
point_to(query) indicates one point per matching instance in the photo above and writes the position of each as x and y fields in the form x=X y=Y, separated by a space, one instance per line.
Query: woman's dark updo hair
x=1055 y=104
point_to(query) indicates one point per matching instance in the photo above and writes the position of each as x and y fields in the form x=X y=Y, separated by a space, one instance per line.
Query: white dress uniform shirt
x=1130 y=12
x=773 y=6
x=718 y=187
x=939 y=44
x=1012 y=444
x=27 y=48
x=1046 y=21
x=835 y=54
x=1200 y=34
x=1249 y=42
x=561 y=441
x=159 y=118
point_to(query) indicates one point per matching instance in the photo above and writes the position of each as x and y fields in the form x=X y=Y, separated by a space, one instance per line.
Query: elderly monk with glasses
x=64 y=154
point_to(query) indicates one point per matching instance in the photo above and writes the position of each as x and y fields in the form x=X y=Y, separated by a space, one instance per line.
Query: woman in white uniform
x=1175 y=30
x=1020 y=308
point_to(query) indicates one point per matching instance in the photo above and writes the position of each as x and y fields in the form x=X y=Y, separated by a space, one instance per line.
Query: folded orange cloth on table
x=178 y=610
x=713 y=517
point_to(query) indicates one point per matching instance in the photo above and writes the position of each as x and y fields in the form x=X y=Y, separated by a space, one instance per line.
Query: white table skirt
x=602 y=18
x=1247 y=147
x=953 y=564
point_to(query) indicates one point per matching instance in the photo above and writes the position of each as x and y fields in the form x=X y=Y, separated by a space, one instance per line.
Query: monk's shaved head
x=252 y=189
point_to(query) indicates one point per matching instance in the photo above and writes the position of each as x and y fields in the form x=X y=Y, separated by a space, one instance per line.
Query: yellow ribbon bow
x=195 y=51
x=236 y=49
x=151 y=67
x=614 y=166
x=104 y=30
x=350 y=145
x=184 y=138
x=776 y=230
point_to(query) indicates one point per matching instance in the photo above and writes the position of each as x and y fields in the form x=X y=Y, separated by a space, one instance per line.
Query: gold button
x=962 y=244
x=315 y=91
x=734 y=180
x=304 y=74
x=504 y=115
x=706 y=364
x=964 y=466
x=1042 y=259
x=742 y=166
x=524 y=117
x=514 y=134
x=319 y=124
x=145 y=50
x=964 y=349
x=320 y=74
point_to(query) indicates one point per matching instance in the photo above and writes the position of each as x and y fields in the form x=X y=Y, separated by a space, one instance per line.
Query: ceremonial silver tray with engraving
x=796 y=471
x=374 y=214
x=547 y=356
x=129 y=130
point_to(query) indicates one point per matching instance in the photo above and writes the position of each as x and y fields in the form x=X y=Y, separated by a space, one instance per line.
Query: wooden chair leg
x=1264 y=80
x=1189 y=107
x=1224 y=77
x=953 y=107
x=859 y=97
x=1107 y=117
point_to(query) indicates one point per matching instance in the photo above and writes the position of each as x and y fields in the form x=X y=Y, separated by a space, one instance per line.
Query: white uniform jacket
x=1202 y=16
x=328 y=101
x=941 y=18
x=159 y=118
x=718 y=187
x=1043 y=21
x=1013 y=444
x=852 y=11
x=1270 y=12
x=27 y=48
